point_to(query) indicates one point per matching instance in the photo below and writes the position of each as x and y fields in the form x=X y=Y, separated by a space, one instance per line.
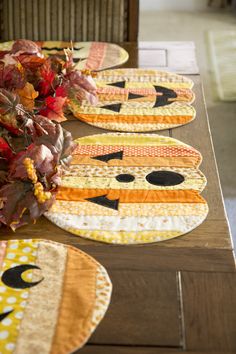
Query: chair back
x=65 y=20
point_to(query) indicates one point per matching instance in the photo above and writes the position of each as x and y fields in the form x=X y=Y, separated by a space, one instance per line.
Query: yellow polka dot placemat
x=138 y=100
x=128 y=188
x=87 y=55
x=52 y=297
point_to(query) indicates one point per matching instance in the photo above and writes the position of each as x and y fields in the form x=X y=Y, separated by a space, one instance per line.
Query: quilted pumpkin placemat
x=87 y=55
x=131 y=188
x=52 y=297
x=138 y=100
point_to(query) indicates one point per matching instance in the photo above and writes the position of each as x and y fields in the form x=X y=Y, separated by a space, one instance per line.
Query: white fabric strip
x=40 y=316
x=116 y=223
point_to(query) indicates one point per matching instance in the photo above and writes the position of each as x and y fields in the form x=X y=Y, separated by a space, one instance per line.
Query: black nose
x=125 y=178
x=164 y=178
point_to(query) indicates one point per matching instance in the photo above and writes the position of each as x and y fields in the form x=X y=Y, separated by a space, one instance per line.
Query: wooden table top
x=207 y=248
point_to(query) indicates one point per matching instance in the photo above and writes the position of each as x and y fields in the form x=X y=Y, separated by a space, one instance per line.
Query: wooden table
x=172 y=296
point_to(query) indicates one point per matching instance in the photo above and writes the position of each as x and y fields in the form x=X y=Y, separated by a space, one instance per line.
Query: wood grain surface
x=209 y=310
x=143 y=306
x=102 y=349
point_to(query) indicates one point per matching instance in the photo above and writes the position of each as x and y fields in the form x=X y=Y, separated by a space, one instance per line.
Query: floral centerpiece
x=35 y=94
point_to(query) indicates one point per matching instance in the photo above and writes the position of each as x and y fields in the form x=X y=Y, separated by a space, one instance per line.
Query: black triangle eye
x=166 y=94
x=120 y=84
x=133 y=96
x=164 y=178
x=107 y=157
x=105 y=202
x=4 y=315
x=112 y=107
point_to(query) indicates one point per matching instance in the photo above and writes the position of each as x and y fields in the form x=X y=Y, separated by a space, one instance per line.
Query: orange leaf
x=27 y=96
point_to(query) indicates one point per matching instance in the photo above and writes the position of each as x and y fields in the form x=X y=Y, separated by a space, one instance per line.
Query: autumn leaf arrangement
x=35 y=94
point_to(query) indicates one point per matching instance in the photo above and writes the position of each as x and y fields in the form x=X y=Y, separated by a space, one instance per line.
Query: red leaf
x=47 y=78
x=54 y=108
x=61 y=91
x=5 y=150
x=3 y=53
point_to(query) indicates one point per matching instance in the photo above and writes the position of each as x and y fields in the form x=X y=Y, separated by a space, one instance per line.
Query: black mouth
x=4 y=315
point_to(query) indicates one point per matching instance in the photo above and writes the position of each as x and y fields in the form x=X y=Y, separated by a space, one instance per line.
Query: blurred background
x=212 y=27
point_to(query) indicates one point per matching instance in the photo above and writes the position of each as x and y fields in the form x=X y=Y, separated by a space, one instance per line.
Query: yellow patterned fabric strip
x=144 y=209
x=126 y=237
x=147 y=85
x=15 y=300
x=121 y=139
x=44 y=301
x=102 y=182
x=138 y=110
x=144 y=75
x=146 y=127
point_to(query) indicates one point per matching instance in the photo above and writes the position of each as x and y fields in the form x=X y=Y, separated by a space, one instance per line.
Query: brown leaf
x=30 y=62
x=8 y=101
x=19 y=205
x=12 y=76
x=43 y=162
x=57 y=139
x=21 y=46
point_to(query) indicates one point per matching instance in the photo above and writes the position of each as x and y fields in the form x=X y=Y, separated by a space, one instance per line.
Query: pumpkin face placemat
x=131 y=188
x=87 y=55
x=138 y=100
x=52 y=297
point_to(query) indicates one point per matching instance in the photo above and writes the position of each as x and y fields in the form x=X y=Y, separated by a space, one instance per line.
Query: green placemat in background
x=222 y=46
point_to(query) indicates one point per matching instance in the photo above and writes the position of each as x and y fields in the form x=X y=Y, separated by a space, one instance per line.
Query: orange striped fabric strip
x=131 y=196
x=78 y=298
x=138 y=151
x=133 y=119
x=95 y=61
x=140 y=161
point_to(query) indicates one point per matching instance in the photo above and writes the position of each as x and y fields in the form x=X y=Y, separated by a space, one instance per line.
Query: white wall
x=175 y=5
